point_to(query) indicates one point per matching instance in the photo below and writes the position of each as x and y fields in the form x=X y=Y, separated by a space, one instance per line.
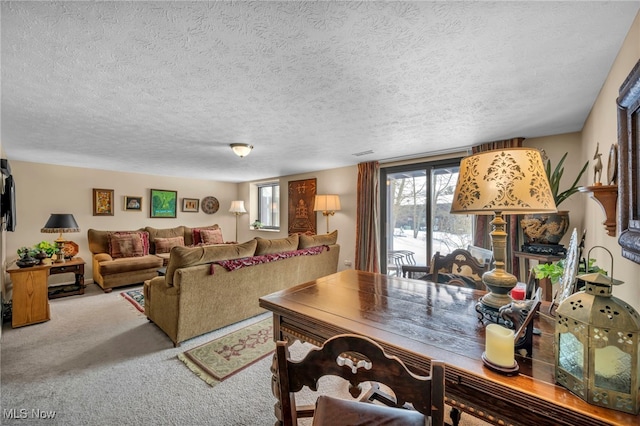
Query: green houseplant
x=549 y=228
x=555 y=177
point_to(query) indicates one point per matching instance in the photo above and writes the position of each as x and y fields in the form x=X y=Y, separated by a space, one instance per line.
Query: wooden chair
x=357 y=359
x=458 y=267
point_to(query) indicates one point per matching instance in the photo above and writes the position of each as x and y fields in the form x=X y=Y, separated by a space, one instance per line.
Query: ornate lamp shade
x=505 y=181
x=597 y=346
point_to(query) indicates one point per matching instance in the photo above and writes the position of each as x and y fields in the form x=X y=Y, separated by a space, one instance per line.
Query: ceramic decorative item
x=27 y=261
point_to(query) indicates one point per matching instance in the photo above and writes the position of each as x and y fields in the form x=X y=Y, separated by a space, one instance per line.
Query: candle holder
x=507 y=371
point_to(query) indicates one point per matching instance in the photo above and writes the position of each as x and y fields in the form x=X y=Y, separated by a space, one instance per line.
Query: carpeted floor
x=99 y=361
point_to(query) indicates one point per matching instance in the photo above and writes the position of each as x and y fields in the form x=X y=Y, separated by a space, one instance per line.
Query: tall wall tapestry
x=302 y=218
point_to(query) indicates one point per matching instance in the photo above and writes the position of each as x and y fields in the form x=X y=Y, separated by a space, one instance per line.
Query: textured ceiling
x=165 y=87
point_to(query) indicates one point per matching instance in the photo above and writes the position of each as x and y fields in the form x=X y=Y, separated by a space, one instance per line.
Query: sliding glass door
x=416 y=200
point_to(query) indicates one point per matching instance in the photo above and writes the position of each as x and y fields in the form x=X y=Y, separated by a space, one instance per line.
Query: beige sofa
x=200 y=294
x=140 y=261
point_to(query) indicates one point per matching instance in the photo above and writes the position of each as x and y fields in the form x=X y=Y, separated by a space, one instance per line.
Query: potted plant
x=549 y=228
x=256 y=224
x=554 y=271
x=49 y=248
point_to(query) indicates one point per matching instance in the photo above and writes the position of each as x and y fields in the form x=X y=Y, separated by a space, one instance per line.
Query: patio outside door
x=415 y=214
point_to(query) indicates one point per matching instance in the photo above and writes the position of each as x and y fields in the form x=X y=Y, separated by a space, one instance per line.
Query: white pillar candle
x=500 y=345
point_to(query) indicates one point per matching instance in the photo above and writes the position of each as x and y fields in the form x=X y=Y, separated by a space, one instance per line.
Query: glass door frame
x=385 y=233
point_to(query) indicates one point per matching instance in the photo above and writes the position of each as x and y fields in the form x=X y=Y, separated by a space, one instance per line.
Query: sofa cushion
x=155 y=233
x=307 y=241
x=195 y=234
x=128 y=244
x=164 y=245
x=276 y=245
x=182 y=257
x=211 y=236
x=129 y=264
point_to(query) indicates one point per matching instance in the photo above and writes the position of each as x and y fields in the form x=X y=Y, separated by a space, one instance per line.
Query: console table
x=545 y=283
x=419 y=321
x=31 y=292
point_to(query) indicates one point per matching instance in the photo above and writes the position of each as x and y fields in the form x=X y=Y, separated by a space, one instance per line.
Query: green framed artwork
x=163 y=203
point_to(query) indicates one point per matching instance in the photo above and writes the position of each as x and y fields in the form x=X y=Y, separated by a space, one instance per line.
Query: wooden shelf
x=607 y=197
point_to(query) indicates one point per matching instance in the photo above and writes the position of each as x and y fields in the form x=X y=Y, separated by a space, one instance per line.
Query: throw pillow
x=195 y=233
x=211 y=236
x=128 y=244
x=164 y=245
x=307 y=241
x=278 y=245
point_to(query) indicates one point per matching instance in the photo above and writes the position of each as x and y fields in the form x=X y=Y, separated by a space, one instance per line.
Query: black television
x=9 y=204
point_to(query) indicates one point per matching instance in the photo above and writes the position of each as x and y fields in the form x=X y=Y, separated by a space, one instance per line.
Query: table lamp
x=504 y=181
x=237 y=208
x=59 y=223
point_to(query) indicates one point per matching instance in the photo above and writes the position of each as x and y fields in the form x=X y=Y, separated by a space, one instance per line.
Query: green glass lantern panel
x=613 y=369
x=571 y=356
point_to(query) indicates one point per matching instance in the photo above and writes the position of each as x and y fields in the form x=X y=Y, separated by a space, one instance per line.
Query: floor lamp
x=237 y=208
x=504 y=181
x=328 y=205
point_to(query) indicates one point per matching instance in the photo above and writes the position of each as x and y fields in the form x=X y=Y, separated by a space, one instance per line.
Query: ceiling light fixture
x=241 y=149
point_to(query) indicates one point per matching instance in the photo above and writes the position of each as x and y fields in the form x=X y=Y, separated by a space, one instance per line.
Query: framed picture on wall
x=102 y=202
x=302 y=218
x=163 y=203
x=133 y=203
x=190 y=205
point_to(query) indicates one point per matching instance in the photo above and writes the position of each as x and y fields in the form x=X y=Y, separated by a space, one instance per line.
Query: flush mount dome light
x=241 y=149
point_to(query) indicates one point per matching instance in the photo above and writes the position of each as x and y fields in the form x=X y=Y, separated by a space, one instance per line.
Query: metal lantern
x=597 y=345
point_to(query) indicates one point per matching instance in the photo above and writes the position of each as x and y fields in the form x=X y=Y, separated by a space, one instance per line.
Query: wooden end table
x=31 y=292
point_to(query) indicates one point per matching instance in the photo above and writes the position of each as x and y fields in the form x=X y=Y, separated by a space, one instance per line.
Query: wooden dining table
x=420 y=321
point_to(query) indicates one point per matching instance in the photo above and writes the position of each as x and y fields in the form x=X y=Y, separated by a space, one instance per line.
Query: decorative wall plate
x=612 y=166
x=210 y=205
x=69 y=249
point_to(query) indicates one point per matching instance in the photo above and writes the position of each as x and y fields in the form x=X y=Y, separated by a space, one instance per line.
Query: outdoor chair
x=458 y=267
x=358 y=360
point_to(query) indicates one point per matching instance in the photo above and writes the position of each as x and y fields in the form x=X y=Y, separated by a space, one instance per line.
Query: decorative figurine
x=597 y=168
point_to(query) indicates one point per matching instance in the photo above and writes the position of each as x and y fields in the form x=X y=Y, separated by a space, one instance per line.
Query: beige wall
x=601 y=126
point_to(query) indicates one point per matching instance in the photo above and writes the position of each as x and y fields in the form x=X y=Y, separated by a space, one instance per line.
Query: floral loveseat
x=122 y=258
x=209 y=287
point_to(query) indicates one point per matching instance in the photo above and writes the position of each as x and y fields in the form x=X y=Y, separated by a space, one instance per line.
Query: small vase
x=41 y=256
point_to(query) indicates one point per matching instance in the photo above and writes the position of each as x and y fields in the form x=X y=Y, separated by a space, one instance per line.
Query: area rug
x=221 y=358
x=136 y=297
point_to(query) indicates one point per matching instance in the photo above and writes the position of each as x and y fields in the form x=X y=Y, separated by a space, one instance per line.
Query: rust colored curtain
x=483 y=228
x=367 y=236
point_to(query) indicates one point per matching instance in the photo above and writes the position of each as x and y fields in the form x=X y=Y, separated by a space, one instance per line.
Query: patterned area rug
x=216 y=360
x=136 y=297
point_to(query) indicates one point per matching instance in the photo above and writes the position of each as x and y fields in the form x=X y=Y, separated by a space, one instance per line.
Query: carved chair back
x=358 y=360
x=458 y=267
